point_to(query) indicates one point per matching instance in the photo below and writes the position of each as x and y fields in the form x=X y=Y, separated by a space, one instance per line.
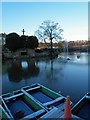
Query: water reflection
x=68 y=76
x=24 y=64
x=22 y=70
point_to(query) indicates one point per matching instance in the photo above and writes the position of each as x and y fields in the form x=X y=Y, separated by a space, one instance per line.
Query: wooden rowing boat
x=45 y=96
x=31 y=102
x=82 y=107
x=21 y=106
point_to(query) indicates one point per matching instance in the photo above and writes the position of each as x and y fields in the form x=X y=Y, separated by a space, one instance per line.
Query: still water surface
x=68 y=76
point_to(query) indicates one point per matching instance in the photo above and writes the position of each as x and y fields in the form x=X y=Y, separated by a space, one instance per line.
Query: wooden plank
x=54 y=113
x=57 y=113
x=73 y=116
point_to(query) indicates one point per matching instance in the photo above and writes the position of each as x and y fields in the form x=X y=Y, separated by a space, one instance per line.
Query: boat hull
x=45 y=96
x=21 y=106
x=82 y=108
x=32 y=102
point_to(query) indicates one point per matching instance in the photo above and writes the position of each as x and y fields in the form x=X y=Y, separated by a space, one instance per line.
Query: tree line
x=48 y=31
x=15 y=42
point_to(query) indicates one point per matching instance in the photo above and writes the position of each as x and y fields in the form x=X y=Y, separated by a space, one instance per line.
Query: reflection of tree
x=16 y=73
x=54 y=70
x=50 y=72
x=31 y=71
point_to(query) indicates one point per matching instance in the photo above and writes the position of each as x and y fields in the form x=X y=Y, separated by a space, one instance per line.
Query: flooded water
x=68 y=76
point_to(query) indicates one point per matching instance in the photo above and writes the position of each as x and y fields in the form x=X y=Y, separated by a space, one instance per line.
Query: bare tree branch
x=49 y=31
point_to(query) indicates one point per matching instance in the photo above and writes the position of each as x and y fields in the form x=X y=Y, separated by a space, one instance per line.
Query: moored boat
x=45 y=96
x=31 y=102
x=21 y=106
x=82 y=107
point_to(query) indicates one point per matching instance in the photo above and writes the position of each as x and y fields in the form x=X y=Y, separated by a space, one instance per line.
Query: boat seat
x=54 y=101
x=31 y=89
x=34 y=115
x=13 y=96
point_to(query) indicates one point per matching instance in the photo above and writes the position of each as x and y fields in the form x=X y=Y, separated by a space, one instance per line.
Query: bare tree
x=49 y=31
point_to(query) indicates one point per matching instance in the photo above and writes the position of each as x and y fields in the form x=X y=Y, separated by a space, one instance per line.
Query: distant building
x=2 y=38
